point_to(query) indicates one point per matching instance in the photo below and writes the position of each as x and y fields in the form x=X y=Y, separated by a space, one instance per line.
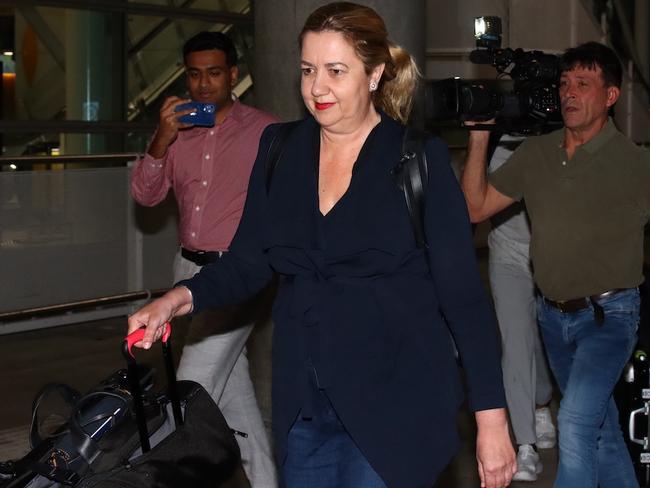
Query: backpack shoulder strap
x=412 y=175
x=276 y=148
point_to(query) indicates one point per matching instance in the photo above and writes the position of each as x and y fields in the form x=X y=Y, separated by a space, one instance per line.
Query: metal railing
x=70 y=231
x=74 y=312
x=30 y=313
x=87 y=160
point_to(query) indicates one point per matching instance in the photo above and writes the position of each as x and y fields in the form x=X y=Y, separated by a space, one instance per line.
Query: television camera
x=528 y=104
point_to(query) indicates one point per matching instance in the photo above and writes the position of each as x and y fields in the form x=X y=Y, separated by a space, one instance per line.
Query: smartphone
x=202 y=115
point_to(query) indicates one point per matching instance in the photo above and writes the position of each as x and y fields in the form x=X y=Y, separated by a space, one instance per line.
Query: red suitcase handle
x=132 y=373
x=138 y=335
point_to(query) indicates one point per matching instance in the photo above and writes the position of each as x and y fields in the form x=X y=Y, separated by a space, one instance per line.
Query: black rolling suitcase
x=122 y=434
x=633 y=394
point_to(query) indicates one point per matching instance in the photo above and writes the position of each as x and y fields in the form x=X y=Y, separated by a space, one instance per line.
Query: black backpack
x=410 y=174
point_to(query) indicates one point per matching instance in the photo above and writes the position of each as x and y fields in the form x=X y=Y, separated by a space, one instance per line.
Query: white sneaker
x=528 y=464
x=544 y=429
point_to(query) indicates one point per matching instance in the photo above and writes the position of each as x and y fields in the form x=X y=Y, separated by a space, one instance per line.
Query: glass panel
x=76 y=234
x=101 y=66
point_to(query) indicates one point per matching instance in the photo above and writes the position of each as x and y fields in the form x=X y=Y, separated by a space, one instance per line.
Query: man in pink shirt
x=208 y=169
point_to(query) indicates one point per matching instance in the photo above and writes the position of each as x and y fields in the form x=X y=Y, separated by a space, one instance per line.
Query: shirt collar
x=598 y=141
x=236 y=112
x=594 y=144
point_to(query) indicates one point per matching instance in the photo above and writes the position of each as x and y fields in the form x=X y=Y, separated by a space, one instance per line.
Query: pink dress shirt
x=208 y=168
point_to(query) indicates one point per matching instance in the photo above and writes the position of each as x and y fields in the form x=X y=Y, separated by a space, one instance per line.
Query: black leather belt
x=577 y=304
x=201 y=258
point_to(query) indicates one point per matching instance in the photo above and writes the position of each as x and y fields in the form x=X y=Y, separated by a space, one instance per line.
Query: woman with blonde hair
x=366 y=387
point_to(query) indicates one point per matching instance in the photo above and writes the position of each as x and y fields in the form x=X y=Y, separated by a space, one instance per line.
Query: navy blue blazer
x=358 y=300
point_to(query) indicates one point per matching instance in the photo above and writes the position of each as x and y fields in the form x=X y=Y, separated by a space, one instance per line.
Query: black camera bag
x=106 y=440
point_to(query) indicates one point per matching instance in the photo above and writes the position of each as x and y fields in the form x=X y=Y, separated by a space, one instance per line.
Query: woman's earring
x=373 y=86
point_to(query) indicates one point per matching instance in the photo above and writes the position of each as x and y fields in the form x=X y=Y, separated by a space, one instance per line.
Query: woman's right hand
x=174 y=303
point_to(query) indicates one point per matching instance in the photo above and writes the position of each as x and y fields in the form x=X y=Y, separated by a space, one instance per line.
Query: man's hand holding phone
x=201 y=114
x=168 y=126
x=179 y=113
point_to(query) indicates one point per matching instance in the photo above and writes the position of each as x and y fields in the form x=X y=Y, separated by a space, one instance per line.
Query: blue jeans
x=321 y=454
x=587 y=360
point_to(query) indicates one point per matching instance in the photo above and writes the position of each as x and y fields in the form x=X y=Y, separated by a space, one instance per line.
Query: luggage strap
x=276 y=148
x=67 y=393
x=86 y=446
x=412 y=175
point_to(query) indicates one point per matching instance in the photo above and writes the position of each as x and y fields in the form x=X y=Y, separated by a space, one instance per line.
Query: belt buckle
x=560 y=306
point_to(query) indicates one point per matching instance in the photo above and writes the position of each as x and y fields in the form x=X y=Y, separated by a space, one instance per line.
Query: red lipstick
x=322 y=106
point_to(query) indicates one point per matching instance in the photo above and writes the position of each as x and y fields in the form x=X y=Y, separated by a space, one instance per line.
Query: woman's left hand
x=494 y=452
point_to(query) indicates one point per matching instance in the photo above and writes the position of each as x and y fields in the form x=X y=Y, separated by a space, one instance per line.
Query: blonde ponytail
x=398 y=84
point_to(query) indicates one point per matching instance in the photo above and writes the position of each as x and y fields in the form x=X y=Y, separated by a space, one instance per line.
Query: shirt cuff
x=151 y=164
